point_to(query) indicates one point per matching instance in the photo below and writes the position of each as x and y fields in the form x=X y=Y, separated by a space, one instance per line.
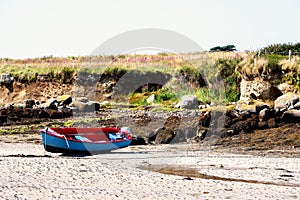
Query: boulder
x=91 y=106
x=54 y=114
x=52 y=104
x=251 y=107
x=260 y=106
x=291 y=116
x=185 y=134
x=42 y=114
x=165 y=136
x=296 y=106
x=286 y=101
x=244 y=127
x=258 y=89
x=266 y=114
x=138 y=140
x=188 y=102
x=200 y=134
x=204 y=120
x=151 y=98
x=29 y=103
x=285 y=88
x=64 y=99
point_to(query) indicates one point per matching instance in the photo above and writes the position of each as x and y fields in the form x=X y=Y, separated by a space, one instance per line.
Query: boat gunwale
x=53 y=133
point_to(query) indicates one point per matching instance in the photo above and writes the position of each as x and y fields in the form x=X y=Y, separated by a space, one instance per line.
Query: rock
x=204 y=120
x=43 y=114
x=138 y=140
x=108 y=96
x=54 y=114
x=285 y=88
x=245 y=107
x=285 y=101
x=29 y=103
x=263 y=125
x=151 y=98
x=244 y=126
x=82 y=99
x=291 y=116
x=91 y=106
x=260 y=106
x=227 y=133
x=108 y=86
x=150 y=137
x=188 y=102
x=272 y=123
x=258 y=89
x=3 y=119
x=20 y=105
x=172 y=123
x=243 y=115
x=184 y=135
x=64 y=99
x=266 y=114
x=251 y=107
x=165 y=136
x=52 y=104
x=201 y=133
x=297 y=106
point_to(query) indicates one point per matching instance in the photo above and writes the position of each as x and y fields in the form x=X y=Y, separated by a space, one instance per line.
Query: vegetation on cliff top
x=230 y=68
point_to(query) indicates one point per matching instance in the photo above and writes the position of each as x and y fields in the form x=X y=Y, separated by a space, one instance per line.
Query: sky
x=37 y=28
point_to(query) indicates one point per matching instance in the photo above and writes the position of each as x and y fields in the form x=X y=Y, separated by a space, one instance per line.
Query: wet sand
x=188 y=172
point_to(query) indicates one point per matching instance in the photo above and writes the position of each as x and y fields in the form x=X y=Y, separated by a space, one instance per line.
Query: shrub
x=67 y=75
x=164 y=94
x=282 y=49
x=115 y=71
x=230 y=77
x=192 y=75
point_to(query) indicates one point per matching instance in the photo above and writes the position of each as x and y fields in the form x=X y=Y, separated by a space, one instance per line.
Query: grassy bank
x=210 y=76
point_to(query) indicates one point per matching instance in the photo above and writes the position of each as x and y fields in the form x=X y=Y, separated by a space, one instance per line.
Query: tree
x=223 y=48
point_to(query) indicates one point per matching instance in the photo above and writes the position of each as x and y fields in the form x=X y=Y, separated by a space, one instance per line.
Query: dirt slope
x=37 y=91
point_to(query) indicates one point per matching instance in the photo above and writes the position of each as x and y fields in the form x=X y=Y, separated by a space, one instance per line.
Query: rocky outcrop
x=258 y=89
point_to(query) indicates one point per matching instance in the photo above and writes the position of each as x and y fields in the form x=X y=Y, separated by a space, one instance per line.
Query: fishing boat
x=85 y=140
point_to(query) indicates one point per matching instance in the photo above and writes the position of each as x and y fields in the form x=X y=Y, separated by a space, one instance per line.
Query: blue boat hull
x=61 y=145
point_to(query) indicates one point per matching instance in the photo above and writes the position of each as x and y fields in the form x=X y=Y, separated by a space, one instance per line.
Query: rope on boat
x=66 y=141
x=46 y=130
x=59 y=134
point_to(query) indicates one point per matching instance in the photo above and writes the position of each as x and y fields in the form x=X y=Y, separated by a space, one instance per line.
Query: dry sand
x=28 y=172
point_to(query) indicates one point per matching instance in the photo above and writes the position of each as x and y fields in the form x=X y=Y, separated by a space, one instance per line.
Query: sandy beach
x=28 y=172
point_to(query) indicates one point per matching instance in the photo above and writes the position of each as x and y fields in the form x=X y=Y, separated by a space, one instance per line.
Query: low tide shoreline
x=28 y=172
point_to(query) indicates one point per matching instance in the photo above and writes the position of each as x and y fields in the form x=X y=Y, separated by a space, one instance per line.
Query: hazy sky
x=36 y=28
